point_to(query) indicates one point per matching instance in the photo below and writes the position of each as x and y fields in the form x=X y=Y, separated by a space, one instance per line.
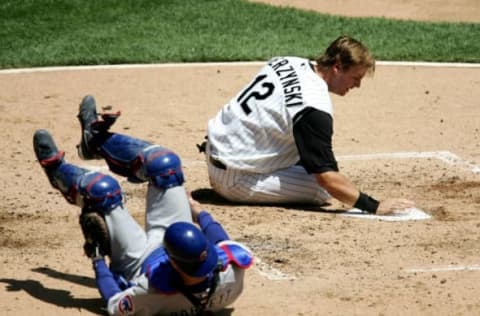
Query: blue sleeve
x=211 y=228
x=106 y=284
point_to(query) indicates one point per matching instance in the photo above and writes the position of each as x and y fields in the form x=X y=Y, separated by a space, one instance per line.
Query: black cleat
x=45 y=149
x=92 y=125
x=87 y=115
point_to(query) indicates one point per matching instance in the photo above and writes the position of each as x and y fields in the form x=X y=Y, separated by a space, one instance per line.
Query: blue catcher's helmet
x=188 y=247
x=164 y=169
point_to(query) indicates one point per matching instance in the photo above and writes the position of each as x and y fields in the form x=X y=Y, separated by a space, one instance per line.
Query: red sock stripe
x=52 y=160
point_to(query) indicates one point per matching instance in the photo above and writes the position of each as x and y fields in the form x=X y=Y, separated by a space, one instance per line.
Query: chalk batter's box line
x=449 y=268
x=445 y=156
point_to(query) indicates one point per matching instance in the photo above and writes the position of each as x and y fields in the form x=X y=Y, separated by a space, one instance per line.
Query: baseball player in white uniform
x=272 y=143
x=172 y=267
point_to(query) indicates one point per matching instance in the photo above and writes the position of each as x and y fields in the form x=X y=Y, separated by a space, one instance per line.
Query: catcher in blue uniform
x=170 y=267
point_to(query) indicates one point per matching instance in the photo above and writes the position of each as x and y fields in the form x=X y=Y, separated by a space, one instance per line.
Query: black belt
x=217 y=163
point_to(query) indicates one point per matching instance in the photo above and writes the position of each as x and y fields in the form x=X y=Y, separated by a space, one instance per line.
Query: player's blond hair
x=348 y=52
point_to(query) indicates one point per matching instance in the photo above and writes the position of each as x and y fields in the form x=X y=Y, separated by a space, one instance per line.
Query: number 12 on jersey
x=250 y=92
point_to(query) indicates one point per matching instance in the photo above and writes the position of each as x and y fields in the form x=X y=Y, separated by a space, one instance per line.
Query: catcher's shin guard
x=97 y=236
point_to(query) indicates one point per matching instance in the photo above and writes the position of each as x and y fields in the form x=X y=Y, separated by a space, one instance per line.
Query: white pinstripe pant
x=290 y=185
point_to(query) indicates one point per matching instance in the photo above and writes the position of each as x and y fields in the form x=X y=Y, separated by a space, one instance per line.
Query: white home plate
x=410 y=214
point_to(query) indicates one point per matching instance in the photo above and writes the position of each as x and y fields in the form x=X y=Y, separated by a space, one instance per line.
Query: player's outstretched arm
x=342 y=189
x=338 y=186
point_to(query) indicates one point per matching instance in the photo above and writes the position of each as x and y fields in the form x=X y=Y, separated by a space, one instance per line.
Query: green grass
x=74 y=32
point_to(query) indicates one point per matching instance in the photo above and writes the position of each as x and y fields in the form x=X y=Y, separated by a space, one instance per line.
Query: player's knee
x=99 y=192
x=164 y=169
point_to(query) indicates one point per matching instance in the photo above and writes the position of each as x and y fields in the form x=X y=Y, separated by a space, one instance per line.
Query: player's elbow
x=326 y=180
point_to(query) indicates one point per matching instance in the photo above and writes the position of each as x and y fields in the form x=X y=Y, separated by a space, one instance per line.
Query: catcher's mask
x=188 y=247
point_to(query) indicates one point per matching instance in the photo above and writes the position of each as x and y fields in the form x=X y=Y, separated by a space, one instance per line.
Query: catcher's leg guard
x=94 y=131
x=121 y=154
x=93 y=191
x=162 y=167
x=97 y=236
x=141 y=161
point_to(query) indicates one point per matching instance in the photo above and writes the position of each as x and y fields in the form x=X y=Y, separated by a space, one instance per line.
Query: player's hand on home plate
x=396 y=205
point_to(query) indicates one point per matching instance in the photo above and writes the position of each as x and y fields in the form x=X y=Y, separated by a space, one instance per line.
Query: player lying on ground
x=170 y=268
x=272 y=143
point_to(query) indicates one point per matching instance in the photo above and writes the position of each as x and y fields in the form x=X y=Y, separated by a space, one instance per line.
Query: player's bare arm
x=345 y=191
x=338 y=186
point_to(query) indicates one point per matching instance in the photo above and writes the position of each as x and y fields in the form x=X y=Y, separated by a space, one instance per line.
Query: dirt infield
x=427 y=10
x=311 y=262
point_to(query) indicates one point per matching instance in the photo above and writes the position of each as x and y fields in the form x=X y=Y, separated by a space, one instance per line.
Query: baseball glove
x=95 y=231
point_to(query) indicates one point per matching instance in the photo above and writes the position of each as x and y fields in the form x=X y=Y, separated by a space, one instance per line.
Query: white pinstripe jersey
x=254 y=131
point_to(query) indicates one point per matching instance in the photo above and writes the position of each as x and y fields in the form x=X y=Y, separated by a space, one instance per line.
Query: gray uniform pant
x=131 y=243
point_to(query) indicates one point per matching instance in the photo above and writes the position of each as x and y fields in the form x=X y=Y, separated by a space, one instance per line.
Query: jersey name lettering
x=290 y=83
